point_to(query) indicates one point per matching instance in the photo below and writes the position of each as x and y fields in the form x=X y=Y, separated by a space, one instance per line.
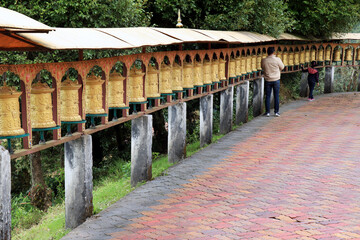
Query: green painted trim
x=16 y=136
x=97 y=115
x=74 y=122
x=45 y=129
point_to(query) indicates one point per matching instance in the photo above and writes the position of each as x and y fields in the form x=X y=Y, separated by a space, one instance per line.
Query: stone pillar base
x=78 y=181
x=177 y=132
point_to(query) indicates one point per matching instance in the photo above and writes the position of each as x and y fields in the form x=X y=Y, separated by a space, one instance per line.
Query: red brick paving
x=297 y=178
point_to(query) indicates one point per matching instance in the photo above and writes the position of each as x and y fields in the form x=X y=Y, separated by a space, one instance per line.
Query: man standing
x=272 y=67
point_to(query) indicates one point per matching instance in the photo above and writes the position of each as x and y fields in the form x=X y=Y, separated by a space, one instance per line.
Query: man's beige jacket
x=272 y=67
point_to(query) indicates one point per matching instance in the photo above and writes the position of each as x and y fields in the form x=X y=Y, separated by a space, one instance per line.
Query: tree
x=318 y=18
x=322 y=18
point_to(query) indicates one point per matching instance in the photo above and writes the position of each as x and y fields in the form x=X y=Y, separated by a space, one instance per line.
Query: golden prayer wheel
x=248 y=64
x=177 y=77
x=10 y=124
x=243 y=65
x=358 y=54
x=116 y=90
x=253 y=63
x=307 y=56
x=69 y=101
x=198 y=74
x=207 y=72
x=279 y=55
x=232 y=68
x=302 y=57
x=188 y=80
x=165 y=79
x=94 y=95
x=258 y=62
x=313 y=55
x=337 y=55
x=215 y=71
x=285 y=58
x=41 y=106
x=291 y=59
x=296 y=58
x=238 y=66
x=328 y=54
x=348 y=54
x=136 y=85
x=152 y=82
x=222 y=72
x=321 y=55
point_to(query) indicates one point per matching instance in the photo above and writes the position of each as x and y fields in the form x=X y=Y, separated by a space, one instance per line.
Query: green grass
x=108 y=190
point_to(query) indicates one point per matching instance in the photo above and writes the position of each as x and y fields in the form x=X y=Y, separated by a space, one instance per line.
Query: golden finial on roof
x=179 y=24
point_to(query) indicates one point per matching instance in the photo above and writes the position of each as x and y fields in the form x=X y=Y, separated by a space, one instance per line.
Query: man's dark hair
x=270 y=50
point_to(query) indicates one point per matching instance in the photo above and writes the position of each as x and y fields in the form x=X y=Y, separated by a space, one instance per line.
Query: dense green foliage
x=319 y=18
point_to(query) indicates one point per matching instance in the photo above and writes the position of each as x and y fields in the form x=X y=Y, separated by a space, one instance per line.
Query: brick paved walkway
x=293 y=177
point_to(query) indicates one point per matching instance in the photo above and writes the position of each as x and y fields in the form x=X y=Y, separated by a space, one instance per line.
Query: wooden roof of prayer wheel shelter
x=12 y=23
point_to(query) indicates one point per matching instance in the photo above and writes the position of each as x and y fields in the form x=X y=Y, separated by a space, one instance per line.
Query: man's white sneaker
x=277 y=114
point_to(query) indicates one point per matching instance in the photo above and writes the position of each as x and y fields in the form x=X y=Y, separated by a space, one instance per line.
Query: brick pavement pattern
x=292 y=177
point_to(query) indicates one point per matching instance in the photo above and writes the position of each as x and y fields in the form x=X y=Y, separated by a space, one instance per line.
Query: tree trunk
x=40 y=194
x=160 y=134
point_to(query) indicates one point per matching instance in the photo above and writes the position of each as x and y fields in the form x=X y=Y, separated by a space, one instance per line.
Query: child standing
x=313 y=78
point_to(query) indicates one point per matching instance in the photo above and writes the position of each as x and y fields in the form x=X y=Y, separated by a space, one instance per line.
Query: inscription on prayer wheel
x=238 y=66
x=348 y=54
x=307 y=56
x=296 y=58
x=337 y=55
x=243 y=65
x=152 y=82
x=69 y=101
x=93 y=95
x=253 y=63
x=232 y=68
x=116 y=90
x=207 y=72
x=358 y=54
x=41 y=106
x=10 y=124
x=291 y=59
x=215 y=71
x=248 y=64
x=321 y=55
x=285 y=58
x=328 y=54
x=136 y=85
x=222 y=69
x=177 y=84
x=198 y=74
x=188 y=81
x=258 y=62
x=313 y=55
x=165 y=79
x=302 y=57
x=279 y=55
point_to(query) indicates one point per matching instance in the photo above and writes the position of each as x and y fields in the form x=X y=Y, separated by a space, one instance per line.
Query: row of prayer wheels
x=142 y=85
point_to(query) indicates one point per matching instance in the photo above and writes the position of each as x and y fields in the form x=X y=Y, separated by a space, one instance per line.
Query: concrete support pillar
x=5 y=194
x=226 y=110
x=206 y=119
x=141 y=154
x=304 y=85
x=242 y=103
x=177 y=132
x=329 y=79
x=78 y=181
x=258 y=97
